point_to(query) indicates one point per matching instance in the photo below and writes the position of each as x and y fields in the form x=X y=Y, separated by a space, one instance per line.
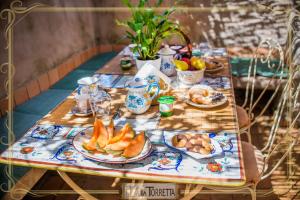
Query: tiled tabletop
x=49 y=145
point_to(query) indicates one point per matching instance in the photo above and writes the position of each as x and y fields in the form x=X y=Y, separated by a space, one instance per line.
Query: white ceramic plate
x=219 y=103
x=85 y=136
x=217 y=149
x=213 y=105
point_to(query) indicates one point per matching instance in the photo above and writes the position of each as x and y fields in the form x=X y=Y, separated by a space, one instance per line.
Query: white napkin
x=87 y=81
x=148 y=70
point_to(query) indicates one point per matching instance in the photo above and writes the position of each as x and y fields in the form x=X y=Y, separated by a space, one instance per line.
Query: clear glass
x=101 y=105
x=82 y=102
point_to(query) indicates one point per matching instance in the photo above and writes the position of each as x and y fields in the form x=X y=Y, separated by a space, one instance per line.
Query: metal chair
x=245 y=114
x=257 y=162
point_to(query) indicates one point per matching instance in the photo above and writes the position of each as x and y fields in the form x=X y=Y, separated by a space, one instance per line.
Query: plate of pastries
x=203 y=96
x=196 y=145
x=213 y=65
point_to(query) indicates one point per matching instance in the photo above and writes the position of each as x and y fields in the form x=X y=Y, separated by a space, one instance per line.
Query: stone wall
x=44 y=40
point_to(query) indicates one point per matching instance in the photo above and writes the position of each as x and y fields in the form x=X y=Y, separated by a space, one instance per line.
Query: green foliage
x=147 y=28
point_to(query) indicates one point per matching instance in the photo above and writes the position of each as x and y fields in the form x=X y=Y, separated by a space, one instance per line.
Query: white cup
x=85 y=83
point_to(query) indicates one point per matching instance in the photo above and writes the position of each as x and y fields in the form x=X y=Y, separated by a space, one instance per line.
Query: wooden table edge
x=231 y=183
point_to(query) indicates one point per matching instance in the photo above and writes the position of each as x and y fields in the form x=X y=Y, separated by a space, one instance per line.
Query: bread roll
x=189 y=135
x=199 y=91
x=189 y=145
x=179 y=141
x=193 y=141
x=205 y=143
x=206 y=138
x=198 y=141
x=201 y=100
x=209 y=148
x=204 y=151
x=195 y=149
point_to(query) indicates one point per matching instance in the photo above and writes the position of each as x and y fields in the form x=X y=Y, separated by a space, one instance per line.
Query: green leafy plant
x=148 y=28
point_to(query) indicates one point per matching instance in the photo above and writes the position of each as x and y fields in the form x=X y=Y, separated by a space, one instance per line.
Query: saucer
x=75 y=111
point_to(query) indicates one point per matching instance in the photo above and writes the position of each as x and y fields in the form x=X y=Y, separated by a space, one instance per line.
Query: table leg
x=140 y=182
x=75 y=187
x=189 y=194
x=187 y=189
x=116 y=181
x=132 y=181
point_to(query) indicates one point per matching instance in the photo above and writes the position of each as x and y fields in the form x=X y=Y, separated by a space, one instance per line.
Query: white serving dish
x=190 y=77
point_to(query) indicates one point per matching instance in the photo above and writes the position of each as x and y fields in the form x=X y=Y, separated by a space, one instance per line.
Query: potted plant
x=147 y=30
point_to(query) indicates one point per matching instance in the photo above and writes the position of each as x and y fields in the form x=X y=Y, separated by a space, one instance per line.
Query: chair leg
x=248 y=133
x=249 y=137
x=252 y=190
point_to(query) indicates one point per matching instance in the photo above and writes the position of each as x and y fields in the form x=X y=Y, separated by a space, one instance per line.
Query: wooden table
x=53 y=150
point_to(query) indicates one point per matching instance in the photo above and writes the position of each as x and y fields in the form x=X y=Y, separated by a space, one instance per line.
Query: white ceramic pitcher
x=140 y=94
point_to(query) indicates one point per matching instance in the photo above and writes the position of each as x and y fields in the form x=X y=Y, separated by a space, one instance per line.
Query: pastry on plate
x=205 y=96
x=212 y=63
x=197 y=143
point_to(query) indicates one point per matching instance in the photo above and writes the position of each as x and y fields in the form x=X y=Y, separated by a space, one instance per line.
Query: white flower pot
x=156 y=63
x=190 y=77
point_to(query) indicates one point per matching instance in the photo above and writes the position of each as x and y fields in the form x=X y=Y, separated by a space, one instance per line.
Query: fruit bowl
x=190 y=70
x=190 y=77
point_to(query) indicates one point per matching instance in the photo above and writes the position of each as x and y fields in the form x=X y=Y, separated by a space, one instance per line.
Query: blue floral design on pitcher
x=138 y=99
x=134 y=102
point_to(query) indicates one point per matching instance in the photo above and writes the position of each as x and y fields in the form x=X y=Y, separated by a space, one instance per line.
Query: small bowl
x=190 y=77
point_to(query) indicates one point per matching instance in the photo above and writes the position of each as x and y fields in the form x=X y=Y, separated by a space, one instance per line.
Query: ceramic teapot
x=140 y=95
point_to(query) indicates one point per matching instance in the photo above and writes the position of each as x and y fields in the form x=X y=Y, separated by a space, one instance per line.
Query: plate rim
x=113 y=162
x=188 y=101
